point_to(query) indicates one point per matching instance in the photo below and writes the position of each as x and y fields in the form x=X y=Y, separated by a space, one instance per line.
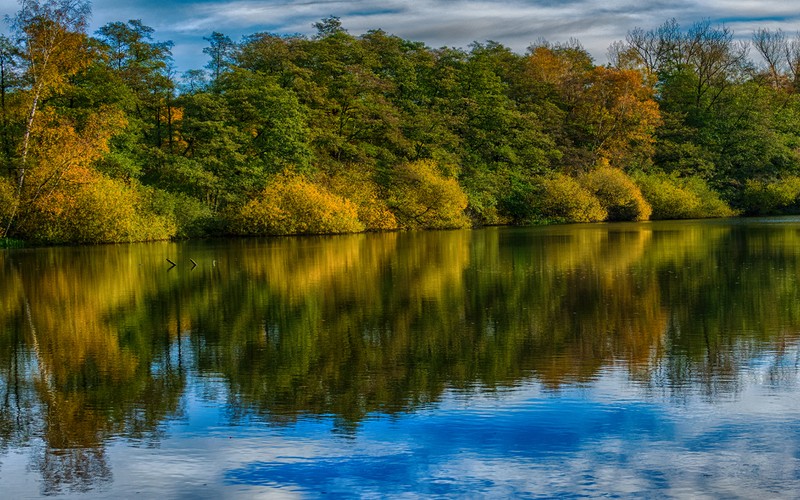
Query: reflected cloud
x=608 y=348
x=549 y=448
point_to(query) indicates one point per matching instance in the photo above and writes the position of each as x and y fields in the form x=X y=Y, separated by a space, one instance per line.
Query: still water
x=653 y=359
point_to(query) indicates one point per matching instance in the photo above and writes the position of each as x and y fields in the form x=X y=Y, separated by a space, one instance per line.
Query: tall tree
x=52 y=35
x=220 y=51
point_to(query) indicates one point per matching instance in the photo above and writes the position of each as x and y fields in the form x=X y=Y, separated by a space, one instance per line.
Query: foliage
x=293 y=204
x=672 y=197
x=564 y=199
x=11 y=243
x=422 y=197
x=95 y=209
x=191 y=217
x=771 y=197
x=8 y=200
x=358 y=187
x=618 y=194
x=410 y=136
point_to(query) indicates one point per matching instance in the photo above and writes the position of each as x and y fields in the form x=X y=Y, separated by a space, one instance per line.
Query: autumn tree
x=54 y=47
x=617 y=117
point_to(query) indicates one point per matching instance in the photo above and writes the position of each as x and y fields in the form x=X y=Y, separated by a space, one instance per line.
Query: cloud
x=515 y=23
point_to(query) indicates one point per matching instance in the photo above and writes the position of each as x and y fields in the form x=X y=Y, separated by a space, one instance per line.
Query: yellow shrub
x=97 y=210
x=774 y=197
x=358 y=186
x=674 y=198
x=292 y=204
x=618 y=194
x=421 y=197
x=8 y=199
x=564 y=200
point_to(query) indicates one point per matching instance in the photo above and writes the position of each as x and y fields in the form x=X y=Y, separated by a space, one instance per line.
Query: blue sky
x=515 y=23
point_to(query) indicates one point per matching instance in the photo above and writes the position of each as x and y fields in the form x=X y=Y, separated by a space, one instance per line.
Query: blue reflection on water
x=423 y=448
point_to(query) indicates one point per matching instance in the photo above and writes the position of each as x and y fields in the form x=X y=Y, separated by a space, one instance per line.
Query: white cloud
x=515 y=23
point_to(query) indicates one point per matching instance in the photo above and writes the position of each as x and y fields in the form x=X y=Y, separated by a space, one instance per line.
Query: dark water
x=656 y=359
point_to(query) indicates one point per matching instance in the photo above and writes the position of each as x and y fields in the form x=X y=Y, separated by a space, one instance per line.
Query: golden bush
x=96 y=210
x=292 y=204
x=617 y=193
x=771 y=197
x=422 y=197
x=676 y=198
x=563 y=199
x=359 y=187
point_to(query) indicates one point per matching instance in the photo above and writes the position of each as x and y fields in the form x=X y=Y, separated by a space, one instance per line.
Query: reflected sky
x=619 y=359
x=595 y=439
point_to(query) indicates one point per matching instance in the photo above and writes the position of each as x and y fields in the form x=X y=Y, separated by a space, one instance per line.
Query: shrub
x=192 y=217
x=563 y=199
x=711 y=205
x=668 y=199
x=422 y=197
x=292 y=204
x=771 y=197
x=672 y=197
x=617 y=193
x=98 y=210
x=358 y=186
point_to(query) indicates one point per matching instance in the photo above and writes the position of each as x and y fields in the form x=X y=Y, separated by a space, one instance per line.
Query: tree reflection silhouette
x=99 y=343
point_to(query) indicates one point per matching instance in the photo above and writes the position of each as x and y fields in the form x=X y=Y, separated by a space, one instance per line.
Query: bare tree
x=774 y=48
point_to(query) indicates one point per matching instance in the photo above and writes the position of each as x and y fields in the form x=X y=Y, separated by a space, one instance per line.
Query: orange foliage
x=619 y=112
x=61 y=151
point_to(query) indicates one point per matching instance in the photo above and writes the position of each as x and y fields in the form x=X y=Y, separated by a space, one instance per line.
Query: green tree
x=220 y=52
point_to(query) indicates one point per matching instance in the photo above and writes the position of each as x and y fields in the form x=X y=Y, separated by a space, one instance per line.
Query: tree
x=616 y=117
x=220 y=51
x=10 y=79
x=144 y=67
x=328 y=26
x=53 y=39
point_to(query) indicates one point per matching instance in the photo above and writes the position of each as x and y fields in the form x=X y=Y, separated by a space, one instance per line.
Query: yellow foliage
x=422 y=197
x=8 y=200
x=765 y=198
x=61 y=155
x=292 y=204
x=101 y=210
x=546 y=66
x=617 y=193
x=563 y=199
x=674 y=198
x=357 y=186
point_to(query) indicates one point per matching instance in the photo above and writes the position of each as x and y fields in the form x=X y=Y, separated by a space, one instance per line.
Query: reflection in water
x=106 y=344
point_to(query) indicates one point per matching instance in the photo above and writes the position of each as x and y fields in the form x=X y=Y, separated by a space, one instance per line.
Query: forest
x=102 y=141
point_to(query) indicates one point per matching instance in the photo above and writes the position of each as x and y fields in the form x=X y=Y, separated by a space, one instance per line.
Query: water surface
x=611 y=359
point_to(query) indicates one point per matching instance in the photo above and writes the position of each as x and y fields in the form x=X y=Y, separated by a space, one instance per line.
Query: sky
x=454 y=23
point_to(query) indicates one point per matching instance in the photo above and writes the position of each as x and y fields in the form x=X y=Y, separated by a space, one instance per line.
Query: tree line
x=102 y=141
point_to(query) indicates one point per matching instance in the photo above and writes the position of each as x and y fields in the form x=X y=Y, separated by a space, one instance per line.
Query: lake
x=632 y=359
